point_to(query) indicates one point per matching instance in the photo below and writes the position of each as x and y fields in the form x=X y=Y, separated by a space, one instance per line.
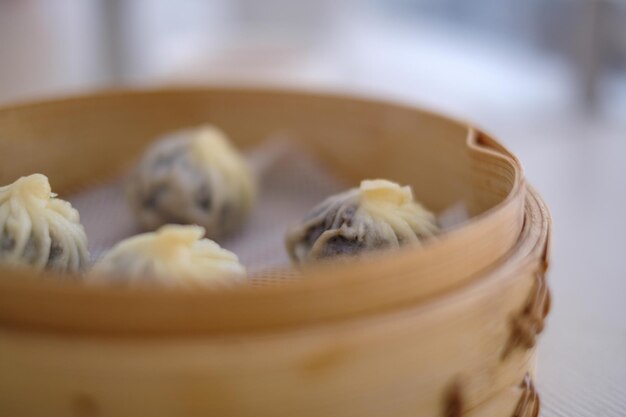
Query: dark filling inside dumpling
x=56 y=251
x=31 y=252
x=7 y=243
x=341 y=245
x=203 y=198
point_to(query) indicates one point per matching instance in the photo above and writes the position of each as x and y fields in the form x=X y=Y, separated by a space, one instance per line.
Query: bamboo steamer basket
x=461 y=354
x=446 y=329
x=78 y=141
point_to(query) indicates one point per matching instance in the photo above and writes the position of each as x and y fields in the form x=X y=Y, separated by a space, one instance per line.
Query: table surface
x=580 y=169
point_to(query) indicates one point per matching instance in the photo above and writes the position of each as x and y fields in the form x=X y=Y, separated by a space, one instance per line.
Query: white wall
x=47 y=47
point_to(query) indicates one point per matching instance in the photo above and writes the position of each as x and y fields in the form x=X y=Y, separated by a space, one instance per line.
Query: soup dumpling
x=193 y=176
x=379 y=214
x=174 y=255
x=39 y=230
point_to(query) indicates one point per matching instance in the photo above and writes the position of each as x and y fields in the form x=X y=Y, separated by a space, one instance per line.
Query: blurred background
x=547 y=77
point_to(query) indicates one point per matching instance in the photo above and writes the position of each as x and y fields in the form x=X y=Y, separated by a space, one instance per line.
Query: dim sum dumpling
x=380 y=214
x=38 y=229
x=193 y=176
x=174 y=255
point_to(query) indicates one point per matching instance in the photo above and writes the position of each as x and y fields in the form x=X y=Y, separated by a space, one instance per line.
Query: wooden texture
x=401 y=363
x=421 y=332
x=81 y=140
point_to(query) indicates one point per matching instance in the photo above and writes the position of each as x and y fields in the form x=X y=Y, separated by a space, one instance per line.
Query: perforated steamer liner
x=80 y=141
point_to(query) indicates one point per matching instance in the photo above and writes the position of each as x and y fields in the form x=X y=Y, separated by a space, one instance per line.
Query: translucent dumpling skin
x=192 y=177
x=174 y=255
x=39 y=230
x=378 y=215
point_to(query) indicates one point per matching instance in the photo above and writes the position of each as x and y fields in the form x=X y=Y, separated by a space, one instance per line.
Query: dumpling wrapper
x=193 y=176
x=39 y=230
x=378 y=215
x=174 y=255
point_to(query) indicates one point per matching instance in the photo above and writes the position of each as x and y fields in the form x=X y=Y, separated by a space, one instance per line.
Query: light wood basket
x=444 y=330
